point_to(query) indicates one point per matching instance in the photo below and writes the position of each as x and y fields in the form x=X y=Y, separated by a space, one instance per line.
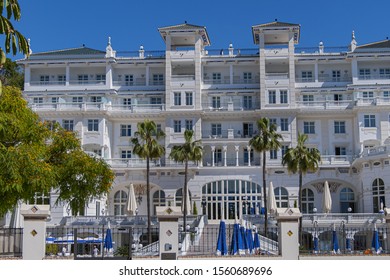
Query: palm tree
x=146 y=146
x=301 y=160
x=189 y=151
x=267 y=139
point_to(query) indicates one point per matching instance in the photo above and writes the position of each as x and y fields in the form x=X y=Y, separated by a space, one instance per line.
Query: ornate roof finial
x=109 y=51
x=109 y=41
x=353 y=35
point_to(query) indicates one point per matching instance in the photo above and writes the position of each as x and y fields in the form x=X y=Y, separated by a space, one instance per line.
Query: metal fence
x=89 y=242
x=344 y=239
x=11 y=241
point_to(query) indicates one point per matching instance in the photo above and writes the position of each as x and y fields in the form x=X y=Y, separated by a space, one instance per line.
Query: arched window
x=158 y=199
x=120 y=199
x=179 y=196
x=230 y=199
x=307 y=201
x=378 y=194
x=281 y=196
x=347 y=200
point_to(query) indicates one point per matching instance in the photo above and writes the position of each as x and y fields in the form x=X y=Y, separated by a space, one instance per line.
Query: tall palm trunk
x=148 y=201
x=265 y=197
x=185 y=194
x=300 y=206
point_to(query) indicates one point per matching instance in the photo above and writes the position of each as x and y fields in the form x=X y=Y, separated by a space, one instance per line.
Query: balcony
x=329 y=105
x=230 y=162
x=372 y=101
x=279 y=79
x=183 y=55
x=380 y=150
x=226 y=134
x=234 y=105
x=183 y=81
x=341 y=160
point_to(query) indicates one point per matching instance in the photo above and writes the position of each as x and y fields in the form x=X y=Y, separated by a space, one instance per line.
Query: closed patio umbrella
x=256 y=243
x=271 y=199
x=326 y=199
x=187 y=201
x=108 y=246
x=375 y=244
x=236 y=246
x=221 y=243
x=131 y=201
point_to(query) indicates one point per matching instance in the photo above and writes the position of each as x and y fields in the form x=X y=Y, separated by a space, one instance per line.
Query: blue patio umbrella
x=375 y=244
x=335 y=242
x=236 y=246
x=221 y=243
x=108 y=239
x=256 y=242
x=249 y=239
x=315 y=243
x=244 y=238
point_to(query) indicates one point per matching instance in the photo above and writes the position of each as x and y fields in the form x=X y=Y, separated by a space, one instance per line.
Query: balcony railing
x=343 y=104
x=374 y=77
x=183 y=78
x=47 y=83
x=86 y=106
x=335 y=159
x=230 y=161
x=87 y=82
x=380 y=150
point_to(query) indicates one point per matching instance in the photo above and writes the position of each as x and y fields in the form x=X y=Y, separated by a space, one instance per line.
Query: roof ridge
x=373 y=43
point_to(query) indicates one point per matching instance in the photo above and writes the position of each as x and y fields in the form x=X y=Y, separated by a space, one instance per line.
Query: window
x=41 y=198
x=386 y=96
x=44 y=79
x=247 y=128
x=37 y=100
x=68 y=125
x=340 y=151
x=77 y=99
x=126 y=102
x=158 y=79
x=189 y=125
x=337 y=97
x=216 y=129
x=177 y=126
x=97 y=152
x=177 y=98
x=284 y=124
x=281 y=197
x=55 y=99
x=126 y=154
x=307 y=76
x=247 y=77
x=158 y=199
x=93 y=125
x=61 y=79
x=247 y=155
x=378 y=195
x=364 y=74
x=368 y=94
x=120 y=199
x=283 y=97
x=347 y=200
x=129 y=80
x=96 y=99
x=155 y=100
x=308 y=127
x=247 y=102
x=216 y=78
x=336 y=76
x=189 y=101
x=284 y=149
x=271 y=97
x=179 y=197
x=101 y=79
x=369 y=121
x=307 y=201
x=218 y=156
x=273 y=154
x=216 y=102
x=273 y=121
x=83 y=79
x=339 y=127
x=125 y=130
x=307 y=99
x=384 y=73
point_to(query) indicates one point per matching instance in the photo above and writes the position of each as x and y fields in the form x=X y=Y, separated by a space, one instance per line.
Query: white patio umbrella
x=271 y=199
x=326 y=199
x=188 y=202
x=131 y=201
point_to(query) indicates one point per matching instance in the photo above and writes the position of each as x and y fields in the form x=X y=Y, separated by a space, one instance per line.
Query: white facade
x=340 y=98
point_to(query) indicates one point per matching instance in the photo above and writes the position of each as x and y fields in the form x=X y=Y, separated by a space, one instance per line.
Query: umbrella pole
x=102 y=247
x=130 y=243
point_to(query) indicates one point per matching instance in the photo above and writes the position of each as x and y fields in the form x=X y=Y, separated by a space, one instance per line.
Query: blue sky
x=53 y=24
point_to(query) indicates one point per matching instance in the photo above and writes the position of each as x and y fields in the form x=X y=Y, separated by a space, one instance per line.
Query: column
x=237 y=148
x=224 y=155
x=288 y=233
x=108 y=75
x=147 y=75
x=231 y=73
x=212 y=156
x=27 y=76
x=249 y=154
x=316 y=72
x=67 y=75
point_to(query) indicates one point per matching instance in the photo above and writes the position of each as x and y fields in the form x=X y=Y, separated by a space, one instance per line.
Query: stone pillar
x=316 y=72
x=224 y=155
x=34 y=231
x=67 y=75
x=249 y=155
x=212 y=155
x=168 y=218
x=288 y=232
x=237 y=148
x=386 y=240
